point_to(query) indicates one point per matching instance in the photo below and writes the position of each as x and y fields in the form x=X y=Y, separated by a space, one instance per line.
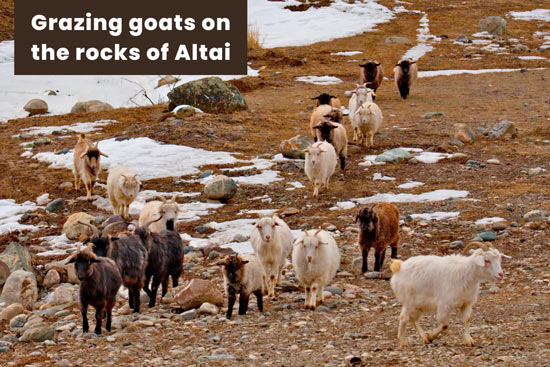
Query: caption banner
x=121 y=37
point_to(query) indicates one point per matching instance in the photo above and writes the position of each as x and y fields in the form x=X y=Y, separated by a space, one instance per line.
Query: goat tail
x=395 y=266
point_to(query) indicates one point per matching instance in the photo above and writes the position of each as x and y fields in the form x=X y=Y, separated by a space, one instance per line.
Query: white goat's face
x=313 y=155
x=491 y=261
x=311 y=245
x=267 y=226
x=362 y=94
x=130 y=185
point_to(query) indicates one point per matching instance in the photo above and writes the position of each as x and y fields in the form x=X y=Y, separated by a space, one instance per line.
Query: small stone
x=431 y=115
x=52 y=278
x=494 y=24
x=499 y=226
x=463 y=133
x=534 y=171
x=91 y=106
x=534 y=216
x=206 y=173
x=493 y=161
x=239 y=238
x=55 y=205
x=473 y=163
x=208 y=309
x=11 y=311
x=188 y=315
x=487 y=236
x=456 y=244
x=185 y=112
x=372 y=275
x=41 y=141
x=288 y=212
x=38 y=334
x=334 y=290
x=322 y=309
x=397 y=39
x=501 y=129
x=393 y=155
x=462 y=38
x=220 y=188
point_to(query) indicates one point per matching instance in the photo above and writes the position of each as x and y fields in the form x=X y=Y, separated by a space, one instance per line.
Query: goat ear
x=377 y=64
x=315 y=127
x=331 y=96
x=244 y=262
x=220 y=263
x=413 y=62
x=317 y=98
x=95 y=261
x=506 y=256
x=103 y=154
x=174 y=197
x=479 y=260
x=72 y=259
x=298 y=241
x=83 y=154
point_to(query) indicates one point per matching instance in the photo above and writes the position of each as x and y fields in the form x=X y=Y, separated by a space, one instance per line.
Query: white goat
x=321 y=160
x=122 y=188
x=335 y=134
x=361 y=94
x=271 y=240
x=167 y=208
x=86 y=164
x=315 y=258
x=367 y=120
x=441 y=284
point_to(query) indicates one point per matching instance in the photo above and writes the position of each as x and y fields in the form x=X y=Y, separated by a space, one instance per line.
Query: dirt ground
x=511 y=326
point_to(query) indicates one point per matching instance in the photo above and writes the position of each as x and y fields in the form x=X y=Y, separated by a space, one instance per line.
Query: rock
x=55 y=205
x=20 y=288
x=534 y=215
x=394 y=155
x=501 y=129
x=197 y=292
x=168 y=79
x=493 y=24
x=188 y=315
x=239 y=238
x=521 y=48
x=11 y=311
x=493 y=161
x=431 y=115
x=66 y=271
x=462 y=38
x=185 y=112
x=52 y=278
x=36 y=106
x=472 y=163
x=38 y=334
x=208 y=309
x=397 y=39
x=73 y=230
x=212 y=95
x=16 y=257
x=91 y=106
x=206 y=173
x=372 y=275
x=41 y=141
x=544 y=48
x=4 y=273
x=463 y=133
x=63 y=294
x=220 y=188
x=459 y=157
x=322 y=309
x=334 y=290
x=18 y=321
x=486 y=236
x=294 y=147
x=499 y=226
x=534 y=171
x=456 y=244
x=287 y=212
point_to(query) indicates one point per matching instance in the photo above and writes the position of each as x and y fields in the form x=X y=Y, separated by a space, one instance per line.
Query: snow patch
x=537 y=14
x=319 y=80
x=489 y=220
x=79 y=127
x=346 y=53
x=437 y=195
x=378 y=177
x=436 y=215
x=11 y=212
x=432 y=73
x=410 y=185
x=431 y=157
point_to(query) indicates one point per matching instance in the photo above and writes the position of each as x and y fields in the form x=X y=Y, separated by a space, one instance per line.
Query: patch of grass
x=253 y=38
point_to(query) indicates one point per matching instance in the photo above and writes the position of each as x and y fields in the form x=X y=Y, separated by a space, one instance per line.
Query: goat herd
x=154 y=251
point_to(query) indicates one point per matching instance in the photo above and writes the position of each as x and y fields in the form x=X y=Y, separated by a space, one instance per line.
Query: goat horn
x=474 y=244
x=109 y=227
x=317 y=232
x=94 y=229
x=147 y=224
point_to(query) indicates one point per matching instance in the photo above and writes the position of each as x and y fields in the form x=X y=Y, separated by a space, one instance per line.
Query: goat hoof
x=469 y=342
x=404 y=344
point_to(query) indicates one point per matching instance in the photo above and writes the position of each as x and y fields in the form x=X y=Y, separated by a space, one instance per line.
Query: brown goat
x=379 y=227
x=99 y=283
x=243 y=276
x=405 y=73
x=371 y=73
x=86 y=164
x=321 y=113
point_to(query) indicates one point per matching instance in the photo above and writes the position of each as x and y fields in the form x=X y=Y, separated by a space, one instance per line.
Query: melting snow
x=410 y=185
x=11 y=212
x=490 y=220
x=319 y=80
x=436 y=215
x=295 y=185
x=378 y=177
x=531 y=58
x=424 y=38
x=537 y=14
x=346 y=53
x=428 y=74
x=343 y=205
x=431 y=157
x=437 y=195
x=79 y=127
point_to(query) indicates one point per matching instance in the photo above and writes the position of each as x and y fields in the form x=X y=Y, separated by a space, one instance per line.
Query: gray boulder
x=294 y=147
x=38 y=333
x=36 y=106
x=16 y=257
x=211 y=95
x=20 y=288
x=220 y=188
x=494 y=24
x=91 y=106
x=502 y=129
x=73 y=230
x=393 y=156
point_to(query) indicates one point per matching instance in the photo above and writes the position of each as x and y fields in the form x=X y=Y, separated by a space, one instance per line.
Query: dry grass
x=253 y=37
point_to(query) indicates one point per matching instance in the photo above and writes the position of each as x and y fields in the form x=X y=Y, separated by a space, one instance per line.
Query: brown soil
x=511 y=327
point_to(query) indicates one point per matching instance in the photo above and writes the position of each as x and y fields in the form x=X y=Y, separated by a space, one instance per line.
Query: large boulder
x=502 y=129
x=20 y=288
x=4 y=273
x=11 y=311
x=494 y=25
x=16 y=257
x=36 y=106
x=38 y=333
x=73 y=230
x=220 y=188
x=197 y=292
x=91 y=106
x=294 y=147
x=65 y=271
x=212 y=95
x=393 y=156
x=65 y=293
x=463 y=133
x=52 y=278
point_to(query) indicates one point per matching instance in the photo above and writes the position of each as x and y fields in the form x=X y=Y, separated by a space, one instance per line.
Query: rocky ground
x=505 y=177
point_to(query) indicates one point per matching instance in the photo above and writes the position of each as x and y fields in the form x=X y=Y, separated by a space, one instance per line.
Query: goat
x=378 y=228
x=168 y=209
x=271 y=240
x=321 y=161
x=371 y=74
x=242 y=275
x=361 y=94
x=405 y=73
x=367 y=120
x=335 y=134
x=440 y=284
x=99 y=283
x=86 y=160
x=321 y=113
x=315 y=259
x=122 y=188
x=129 y=255
x=325 y=98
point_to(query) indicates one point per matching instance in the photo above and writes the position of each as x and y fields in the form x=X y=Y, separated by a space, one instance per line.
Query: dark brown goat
x=242 y=276
x=371 y=74
x=328 y=99
x=378 y=228
x=405 y=73
x=129 y=254
x=99 y=283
